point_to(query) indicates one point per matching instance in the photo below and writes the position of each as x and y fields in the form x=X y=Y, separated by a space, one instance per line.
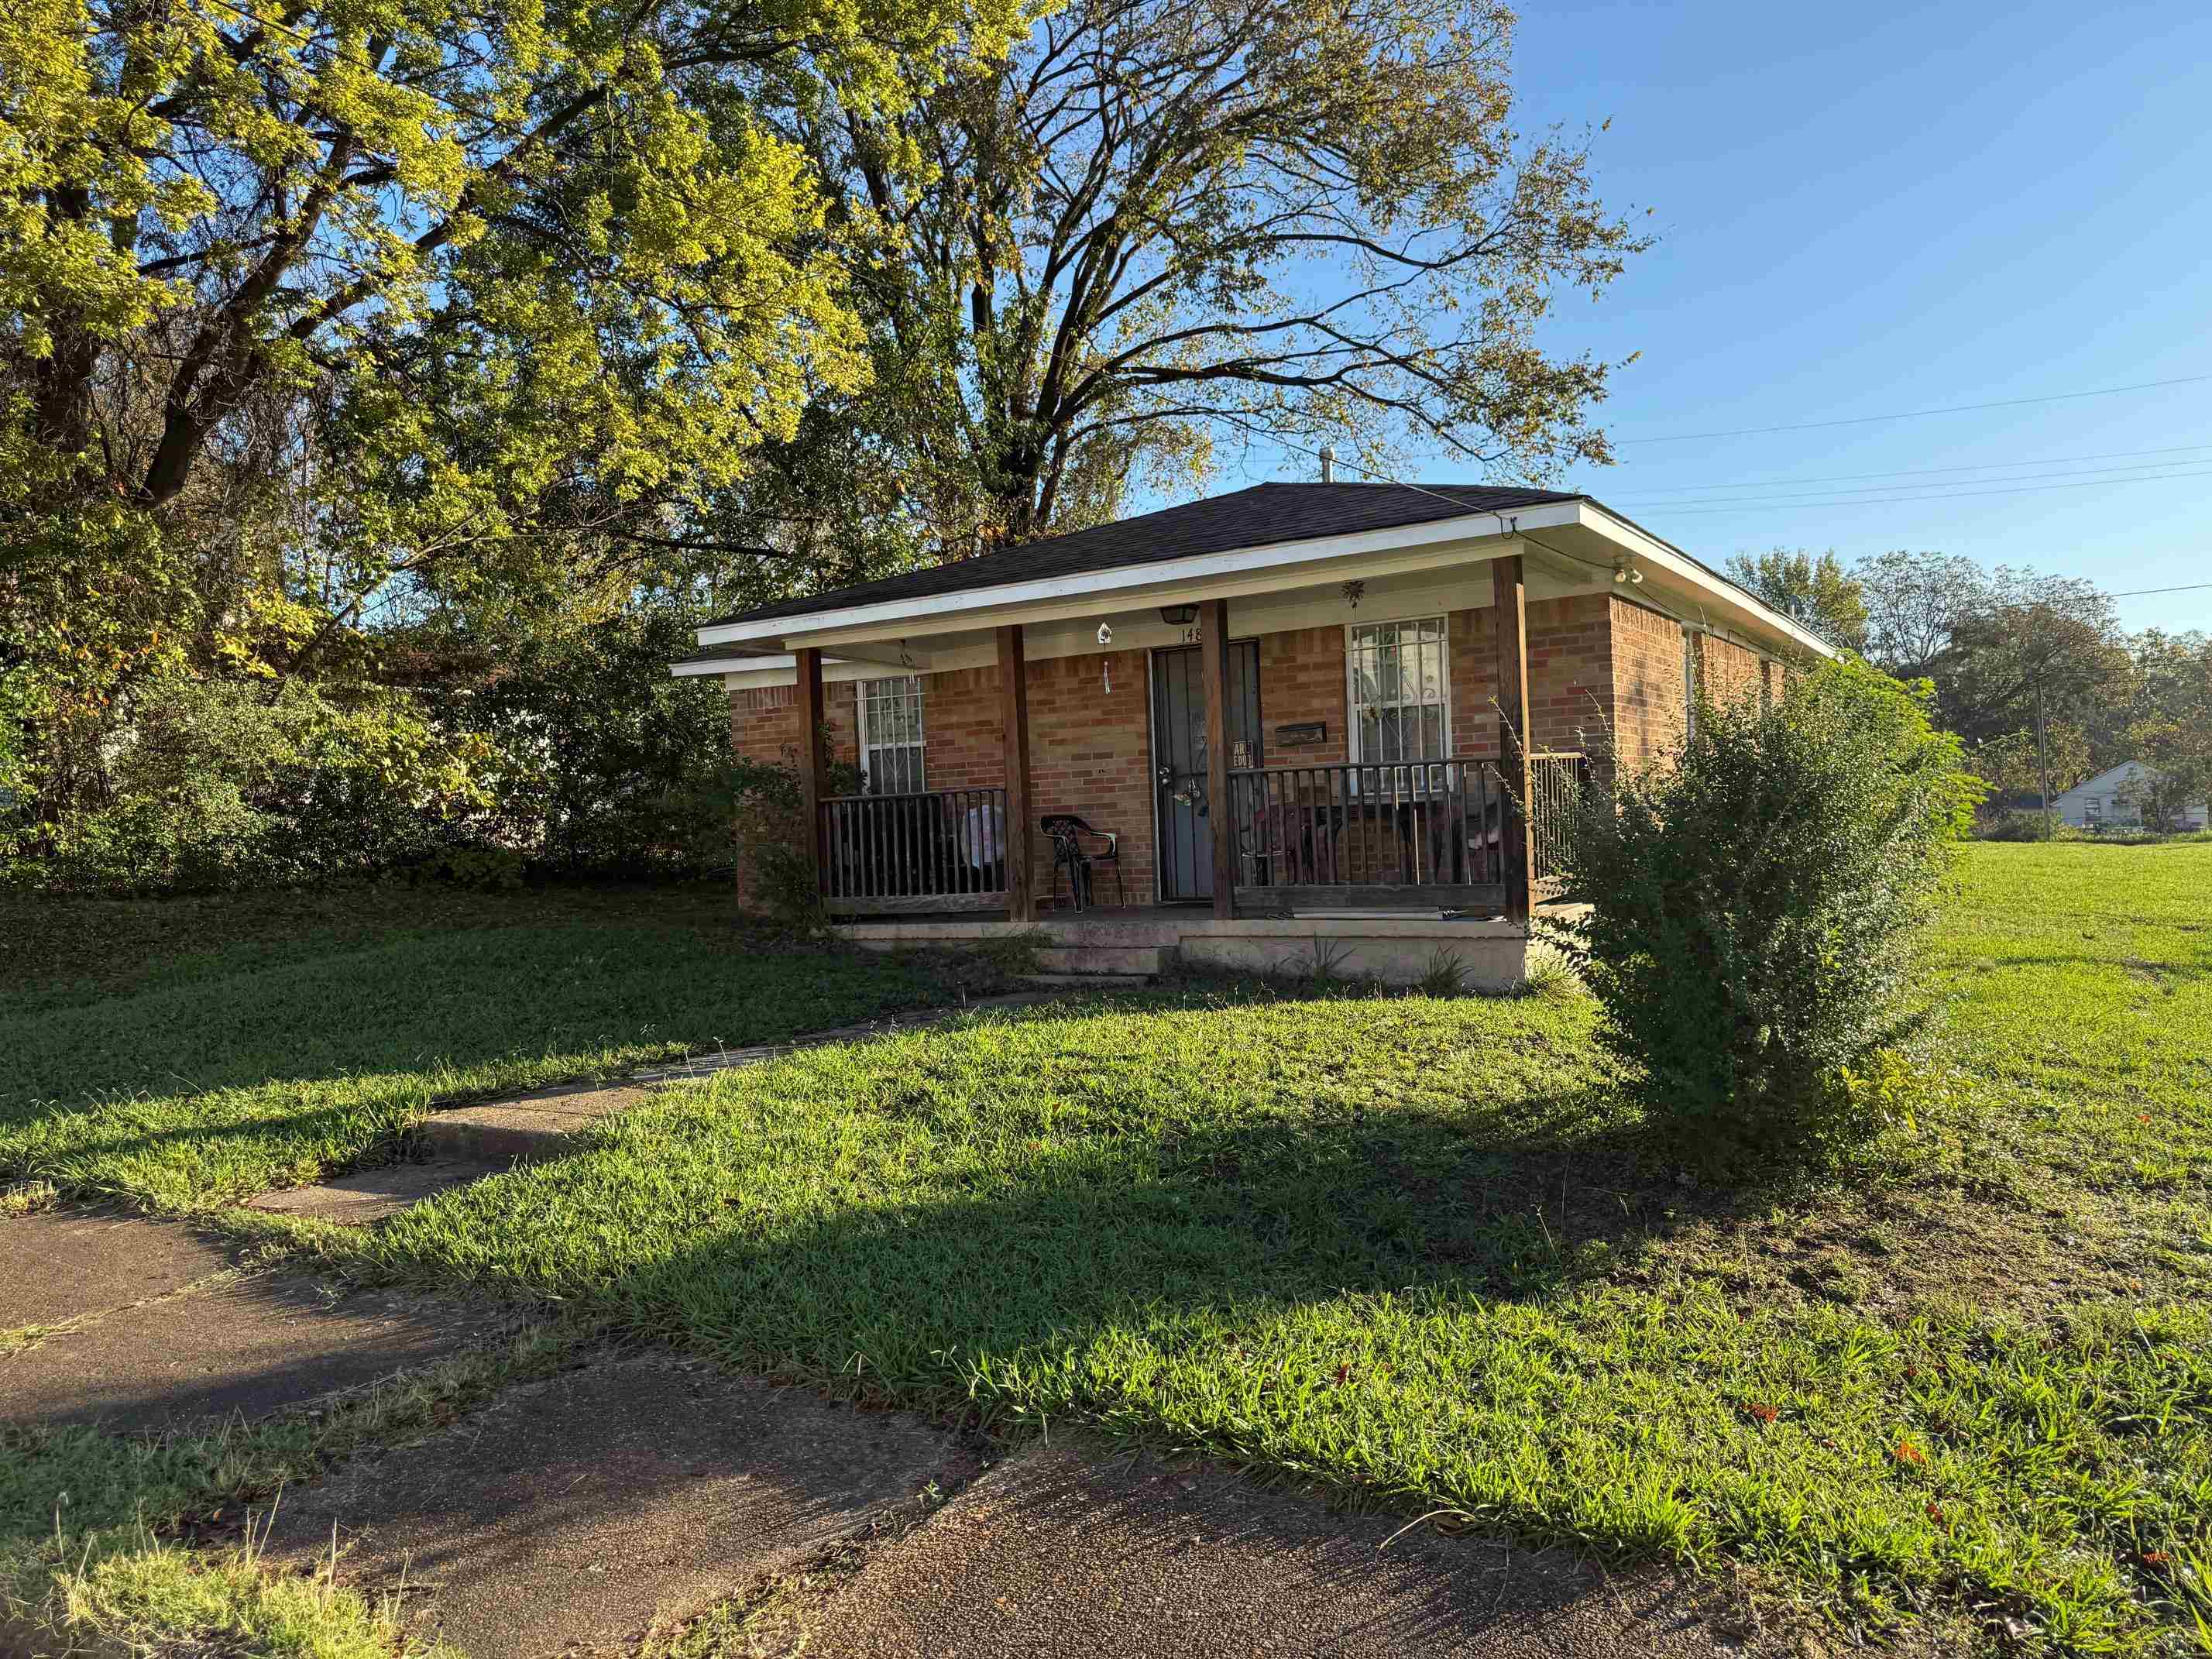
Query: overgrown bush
x=603 y=764
x=220 y=784
x=1753 y=906
x=575 y=754
x=775 y=864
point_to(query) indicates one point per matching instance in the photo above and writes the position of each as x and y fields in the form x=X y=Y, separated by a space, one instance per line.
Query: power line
x=1915 y=414
x=1418 y=489
x=1921 y=471
x=1949 y=495
x=2156 y=470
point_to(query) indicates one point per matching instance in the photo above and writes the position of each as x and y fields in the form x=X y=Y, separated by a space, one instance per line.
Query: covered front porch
x=1298 y=704
x=1263 y=753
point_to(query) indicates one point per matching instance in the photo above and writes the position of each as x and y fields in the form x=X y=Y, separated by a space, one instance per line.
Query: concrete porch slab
x=1395 y=948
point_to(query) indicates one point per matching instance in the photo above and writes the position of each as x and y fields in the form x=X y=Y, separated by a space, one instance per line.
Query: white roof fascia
x=1240 y=572
x=1078 y=594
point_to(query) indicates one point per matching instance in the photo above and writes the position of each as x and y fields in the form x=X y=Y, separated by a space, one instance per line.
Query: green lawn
x=1413 y=1248
x=186 y=1054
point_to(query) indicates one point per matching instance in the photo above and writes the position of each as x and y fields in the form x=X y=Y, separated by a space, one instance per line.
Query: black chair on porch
x=1078 y=849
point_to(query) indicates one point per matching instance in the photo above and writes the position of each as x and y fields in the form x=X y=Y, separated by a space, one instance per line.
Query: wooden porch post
x=1515 y=835
x=1213 y=660
x=810 y=754
x=1014 y=738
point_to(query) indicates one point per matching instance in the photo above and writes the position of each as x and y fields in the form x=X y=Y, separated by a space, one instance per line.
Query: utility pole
x=2042 y=759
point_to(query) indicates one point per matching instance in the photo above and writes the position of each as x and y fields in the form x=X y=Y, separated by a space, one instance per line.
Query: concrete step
x=1100 y=959
x=1091 y=982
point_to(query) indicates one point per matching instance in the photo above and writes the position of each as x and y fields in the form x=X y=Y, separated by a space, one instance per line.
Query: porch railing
x=1556 y=778
x=943 y=849
x=1409 y=832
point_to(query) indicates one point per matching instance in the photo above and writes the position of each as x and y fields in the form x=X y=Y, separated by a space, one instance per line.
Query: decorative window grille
x=891 y=735
x=1399 y=689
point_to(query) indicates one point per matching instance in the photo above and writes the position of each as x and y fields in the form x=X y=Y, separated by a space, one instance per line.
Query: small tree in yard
x=1753 y=906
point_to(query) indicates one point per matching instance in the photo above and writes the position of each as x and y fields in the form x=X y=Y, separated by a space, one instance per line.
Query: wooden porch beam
x=1213 y=661
x=809 y=755
x=1516 y=848
x=1014 y=739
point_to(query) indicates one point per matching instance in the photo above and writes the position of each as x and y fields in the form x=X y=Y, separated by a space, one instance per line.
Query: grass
x=131 y=1546
x=183 y=1055
x=1413 y=1248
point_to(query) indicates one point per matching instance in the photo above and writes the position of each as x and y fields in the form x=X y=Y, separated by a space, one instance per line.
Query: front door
x=1184 y=814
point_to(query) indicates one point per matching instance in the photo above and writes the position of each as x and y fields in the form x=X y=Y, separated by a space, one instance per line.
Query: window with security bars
x=1399 y=690
x=891 y=735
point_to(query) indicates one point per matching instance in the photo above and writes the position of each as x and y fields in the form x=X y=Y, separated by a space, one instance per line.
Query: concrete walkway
x=142 y=1325
x=633 y=1492
x=623 y=1500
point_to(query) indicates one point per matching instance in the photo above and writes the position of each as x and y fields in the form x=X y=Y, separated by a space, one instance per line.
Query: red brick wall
x=1090 y=754
x=1301 y=679
x=1571 y=691
x=1647 y=703
x=1731 y=671
x=764 y=722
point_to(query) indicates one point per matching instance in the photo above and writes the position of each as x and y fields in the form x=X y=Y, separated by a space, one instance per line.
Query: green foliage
x=1754 y=904
x=2016 y=826
x=1813 y=590
x=326 y=336
x=1239 y=219
x=603 y=764
x=226 y=783
x=774 y=839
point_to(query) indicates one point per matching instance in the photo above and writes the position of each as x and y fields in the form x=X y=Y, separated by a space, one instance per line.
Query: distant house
x=2111 y=798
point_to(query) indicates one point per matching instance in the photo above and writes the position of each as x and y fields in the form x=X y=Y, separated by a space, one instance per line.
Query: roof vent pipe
x=1329 y=462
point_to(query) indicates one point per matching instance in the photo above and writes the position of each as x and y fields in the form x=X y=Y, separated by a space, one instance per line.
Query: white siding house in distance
x=2110 y=798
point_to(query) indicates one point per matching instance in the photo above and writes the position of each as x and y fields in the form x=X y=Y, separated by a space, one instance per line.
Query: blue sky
x=1888 y=207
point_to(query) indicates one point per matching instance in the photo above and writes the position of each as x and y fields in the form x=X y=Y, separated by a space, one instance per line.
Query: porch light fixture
x=1624 y=573
x=1178 y=615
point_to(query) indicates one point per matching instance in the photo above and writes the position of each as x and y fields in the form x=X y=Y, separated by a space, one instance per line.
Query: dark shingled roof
x=1258 y=517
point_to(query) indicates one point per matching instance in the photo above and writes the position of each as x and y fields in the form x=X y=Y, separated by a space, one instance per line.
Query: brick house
x=1385 y=684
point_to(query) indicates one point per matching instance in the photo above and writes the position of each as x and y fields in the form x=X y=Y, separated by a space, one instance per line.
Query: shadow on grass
x=1043 y=1250
x=424 y=1006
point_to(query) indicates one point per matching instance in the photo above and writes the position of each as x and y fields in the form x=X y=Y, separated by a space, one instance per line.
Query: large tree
x=1813 y=590
x=1161 y=225
x=1995 y=641
x=339 y=311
